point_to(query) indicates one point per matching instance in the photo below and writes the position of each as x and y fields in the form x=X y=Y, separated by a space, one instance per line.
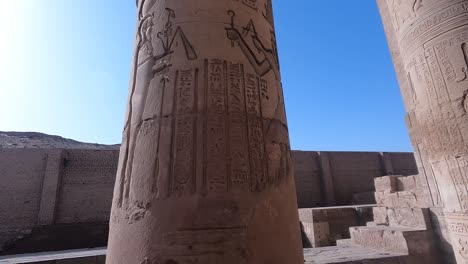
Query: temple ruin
x=205 y=173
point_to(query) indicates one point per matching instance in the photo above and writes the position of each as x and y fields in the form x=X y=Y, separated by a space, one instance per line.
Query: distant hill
x=44 y=141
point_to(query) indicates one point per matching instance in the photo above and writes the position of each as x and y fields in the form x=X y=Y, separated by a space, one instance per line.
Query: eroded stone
x=205 y=172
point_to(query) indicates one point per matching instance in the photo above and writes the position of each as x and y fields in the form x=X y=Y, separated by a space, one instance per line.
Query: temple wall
x=56 y=187
x=22 y=174
x=87 y=186
x=335 y=178
x=40 y=188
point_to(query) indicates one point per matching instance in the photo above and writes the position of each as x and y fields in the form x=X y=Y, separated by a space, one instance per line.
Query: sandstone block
x=404 y=199
x=385 y=184
x=346 y=254
x=379 y=237
x=306 y=215
x=385 y=199
x=344 y=242
x=406 y=183
x=416 y=218
x=317 y=233
x=380 y=215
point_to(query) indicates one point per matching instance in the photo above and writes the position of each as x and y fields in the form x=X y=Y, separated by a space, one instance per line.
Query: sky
x=65 y=66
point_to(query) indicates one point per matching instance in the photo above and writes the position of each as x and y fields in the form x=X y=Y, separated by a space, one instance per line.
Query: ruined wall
x=40 y=187
x=335 y=178
x=308 y=175
x=20 y=191
x=87 y=185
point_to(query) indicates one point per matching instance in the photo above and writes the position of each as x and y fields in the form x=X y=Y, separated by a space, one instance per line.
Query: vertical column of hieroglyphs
x=217 y=131
x=432 y=36
x=183 y=162
x=205 y=167
x=240 y=178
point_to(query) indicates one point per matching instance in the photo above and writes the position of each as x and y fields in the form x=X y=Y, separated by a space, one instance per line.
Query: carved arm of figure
x=417 y=5
x=260 y=67
x=464 y=69
x=270 y=56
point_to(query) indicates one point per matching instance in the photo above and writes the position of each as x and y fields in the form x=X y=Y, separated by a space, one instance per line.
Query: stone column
x=205 y=167
x=429 y=44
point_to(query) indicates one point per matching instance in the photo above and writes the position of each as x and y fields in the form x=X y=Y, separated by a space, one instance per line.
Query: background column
x=428 y=40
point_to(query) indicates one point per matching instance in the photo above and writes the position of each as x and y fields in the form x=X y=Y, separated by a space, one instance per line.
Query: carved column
x=428 y=40
x=205 y=167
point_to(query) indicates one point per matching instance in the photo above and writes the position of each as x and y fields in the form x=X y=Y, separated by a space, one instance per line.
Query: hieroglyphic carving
x=216 y=150
x=263 y=85
x=463 y=247
x=249 y=3
x=456 y=168
x=404 y=10
x=425 y=30
x=168 y=36
x=185 y=142
x=266 y=10
x=204 y=200
x=269 y=60
x=427 y=77
x=458 y=228
x=464 y=68
x=240 y=170
x=453 y=54
x=424 y=71
x=255 y=133
x=146 y=66
x=143 y=64
x=234 y=136
x=437 y=76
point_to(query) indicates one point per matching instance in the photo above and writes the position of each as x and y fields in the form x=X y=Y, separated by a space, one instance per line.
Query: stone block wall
x=42 y=190
x=323 y=226
x=22 y=176
x=337 y=178
x=87 y=185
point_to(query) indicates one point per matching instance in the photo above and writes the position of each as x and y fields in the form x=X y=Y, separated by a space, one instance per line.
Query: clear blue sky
x=64 y=70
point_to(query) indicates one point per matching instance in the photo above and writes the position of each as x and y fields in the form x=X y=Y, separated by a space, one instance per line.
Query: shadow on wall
x=326 y=179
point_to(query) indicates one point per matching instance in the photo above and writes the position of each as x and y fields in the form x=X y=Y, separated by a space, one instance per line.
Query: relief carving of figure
x=463 y=249
x=268 y=60
x=404 y=10
x=146 y=66
x=144 y=7
x=462 y=74
x=168 y=37
x=142 y=76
